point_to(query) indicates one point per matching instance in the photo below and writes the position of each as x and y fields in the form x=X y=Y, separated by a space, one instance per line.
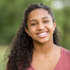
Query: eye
x=33 y=24
x=45 y=21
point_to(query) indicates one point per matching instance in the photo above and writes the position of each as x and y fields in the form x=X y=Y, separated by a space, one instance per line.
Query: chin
x=41 y=41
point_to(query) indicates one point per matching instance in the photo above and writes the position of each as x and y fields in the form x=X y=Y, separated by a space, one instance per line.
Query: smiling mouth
x=43 y=34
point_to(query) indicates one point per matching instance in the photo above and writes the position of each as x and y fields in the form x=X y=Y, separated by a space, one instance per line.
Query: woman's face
x=40 y=26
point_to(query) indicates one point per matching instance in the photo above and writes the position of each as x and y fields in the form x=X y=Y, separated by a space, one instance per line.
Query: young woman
x=36 y=45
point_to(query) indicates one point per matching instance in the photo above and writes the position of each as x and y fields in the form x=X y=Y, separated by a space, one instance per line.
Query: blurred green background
x=11 y=15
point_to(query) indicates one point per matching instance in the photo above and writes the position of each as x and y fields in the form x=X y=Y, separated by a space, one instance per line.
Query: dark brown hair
x=21 y=52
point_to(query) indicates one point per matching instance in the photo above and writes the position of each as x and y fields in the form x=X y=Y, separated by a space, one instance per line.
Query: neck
x=43 y=49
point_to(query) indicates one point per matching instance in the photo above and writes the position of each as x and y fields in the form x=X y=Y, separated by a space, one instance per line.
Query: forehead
x=38 y=13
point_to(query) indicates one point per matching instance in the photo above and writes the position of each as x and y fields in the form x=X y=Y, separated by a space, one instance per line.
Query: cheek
x=32 y=30
x=51 y=28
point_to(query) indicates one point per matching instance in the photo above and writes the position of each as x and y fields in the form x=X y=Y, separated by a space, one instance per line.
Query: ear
x=54 y=26
x=27 y=31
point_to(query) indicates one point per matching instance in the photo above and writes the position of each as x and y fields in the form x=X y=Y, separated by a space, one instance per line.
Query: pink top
x=64 y=61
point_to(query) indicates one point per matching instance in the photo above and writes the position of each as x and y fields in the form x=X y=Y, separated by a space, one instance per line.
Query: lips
x=42 y=34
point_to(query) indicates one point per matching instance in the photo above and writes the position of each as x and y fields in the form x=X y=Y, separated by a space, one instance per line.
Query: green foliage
x=2 y=53
x=11 y=14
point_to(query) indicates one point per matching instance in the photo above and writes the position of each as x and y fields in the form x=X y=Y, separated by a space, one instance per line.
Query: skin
x=45 y=53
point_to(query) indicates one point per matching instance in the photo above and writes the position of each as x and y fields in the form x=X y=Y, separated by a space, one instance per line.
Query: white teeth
x=42 y=33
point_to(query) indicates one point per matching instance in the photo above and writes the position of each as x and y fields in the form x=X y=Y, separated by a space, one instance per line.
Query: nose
x=40 y=26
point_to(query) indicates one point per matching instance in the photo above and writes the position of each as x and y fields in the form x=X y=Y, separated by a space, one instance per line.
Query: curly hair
x=21 y=52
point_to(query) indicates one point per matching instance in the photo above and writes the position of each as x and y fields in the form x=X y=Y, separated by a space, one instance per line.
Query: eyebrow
x=45 y=17
x=32 y=20
x=36 y=20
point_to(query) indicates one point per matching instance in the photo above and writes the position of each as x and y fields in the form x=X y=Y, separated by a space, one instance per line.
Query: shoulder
x=65 y=52
x=65 y=59
x=65 y=55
